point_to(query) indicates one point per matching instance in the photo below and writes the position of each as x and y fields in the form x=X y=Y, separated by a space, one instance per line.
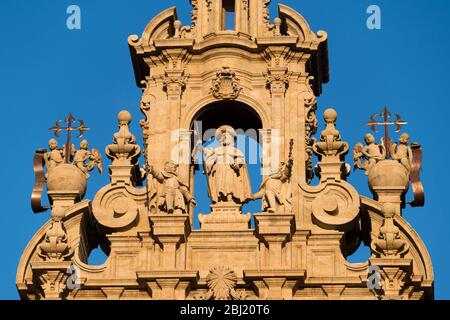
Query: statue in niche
x=174 y=196
x=54 y=157
x=226 y=169
x=87 y=160
x=274 y=189
x=365 y=157
x=402 y=152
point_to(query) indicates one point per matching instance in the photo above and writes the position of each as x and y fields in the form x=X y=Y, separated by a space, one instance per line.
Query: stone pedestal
x=170 y=231
x=392 y=196
x=225 y=216
x=169 y=285
x=275 y=230
x=64 y=199
x=275 y=284
x=332 y=170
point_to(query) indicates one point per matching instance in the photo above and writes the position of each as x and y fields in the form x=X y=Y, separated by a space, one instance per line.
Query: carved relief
x=277 y=82
x=221 y=282
x=388 y=243
x=225 y=85
x=174 y=85
x=311 y=125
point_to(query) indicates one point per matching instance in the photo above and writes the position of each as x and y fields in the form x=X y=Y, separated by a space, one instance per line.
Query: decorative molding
x=311 y=125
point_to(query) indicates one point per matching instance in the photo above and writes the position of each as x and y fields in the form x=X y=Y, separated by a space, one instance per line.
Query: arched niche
x=247 y=123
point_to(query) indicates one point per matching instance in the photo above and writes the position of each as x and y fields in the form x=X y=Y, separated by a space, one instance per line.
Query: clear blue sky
x=47 y=71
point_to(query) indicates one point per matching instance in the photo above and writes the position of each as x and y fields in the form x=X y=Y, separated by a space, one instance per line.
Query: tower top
x=232 y=23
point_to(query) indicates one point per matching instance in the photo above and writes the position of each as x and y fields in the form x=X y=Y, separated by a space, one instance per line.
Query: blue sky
x=47 y=70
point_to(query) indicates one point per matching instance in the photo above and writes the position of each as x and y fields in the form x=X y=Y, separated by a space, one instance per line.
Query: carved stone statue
x=365 y=157
x=174 y=196
x=55 y=156
x=87 y=160
x=274 y=189
x=402 y=152
x=226 y=169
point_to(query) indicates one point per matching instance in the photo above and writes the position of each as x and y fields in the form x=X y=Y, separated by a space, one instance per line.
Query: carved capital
x=277 y=81
x=174 y=83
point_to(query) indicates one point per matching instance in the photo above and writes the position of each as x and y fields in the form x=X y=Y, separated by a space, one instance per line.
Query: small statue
x=402 y=152
x=175 y=194
x=83 y=155
x=273 y=188
x=371 y=154
x=54 y=157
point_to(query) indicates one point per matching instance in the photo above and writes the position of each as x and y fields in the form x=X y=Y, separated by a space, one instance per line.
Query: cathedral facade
x=218 y=78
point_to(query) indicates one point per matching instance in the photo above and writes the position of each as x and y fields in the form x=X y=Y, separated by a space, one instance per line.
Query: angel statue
x=365 y=157
x=226 y=169
x=402 y=152
x=274 y=189
x=87 y=160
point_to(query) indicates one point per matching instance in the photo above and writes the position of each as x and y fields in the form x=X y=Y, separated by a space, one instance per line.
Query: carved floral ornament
x=221 y=282
x=225 y=85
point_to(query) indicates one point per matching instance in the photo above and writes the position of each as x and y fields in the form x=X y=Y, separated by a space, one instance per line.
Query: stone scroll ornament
x=55 y=164
x=408 y=155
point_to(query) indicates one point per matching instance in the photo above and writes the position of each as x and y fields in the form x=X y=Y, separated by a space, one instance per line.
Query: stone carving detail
x=174 y=196
x=55 y=246
x=330 y=147
x=124 y=148
x=402 y=152
x=274 y=189
x=311 y=125
x=388 y=243
x=225 y=85
x=221 y=282
x=226 y=169
x=365 y=157
x=174 y=85
x=266 y=14
x=114 y=207
x=87 y=160
x=277 y=82
x=53 y=157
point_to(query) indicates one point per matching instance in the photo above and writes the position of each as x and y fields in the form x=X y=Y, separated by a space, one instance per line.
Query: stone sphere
x=66 y=177
x=330 y=115
x=388 y=173
x=124 y=116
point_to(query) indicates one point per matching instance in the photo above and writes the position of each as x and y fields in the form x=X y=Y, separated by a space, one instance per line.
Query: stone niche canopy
x=259 y=72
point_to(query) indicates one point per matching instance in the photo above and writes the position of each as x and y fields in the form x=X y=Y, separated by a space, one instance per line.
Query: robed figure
x=225 y=167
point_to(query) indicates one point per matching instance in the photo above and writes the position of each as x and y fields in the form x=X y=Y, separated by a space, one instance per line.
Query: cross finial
x=388 y=119
x=70 y=121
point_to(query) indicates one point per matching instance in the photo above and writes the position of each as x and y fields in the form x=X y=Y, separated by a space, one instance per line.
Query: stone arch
x=197 y=107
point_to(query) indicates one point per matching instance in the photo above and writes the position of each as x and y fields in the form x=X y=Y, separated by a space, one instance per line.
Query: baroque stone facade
x=260 y=76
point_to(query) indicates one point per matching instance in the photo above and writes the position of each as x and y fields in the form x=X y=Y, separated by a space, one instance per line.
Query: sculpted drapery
x=226 y=169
